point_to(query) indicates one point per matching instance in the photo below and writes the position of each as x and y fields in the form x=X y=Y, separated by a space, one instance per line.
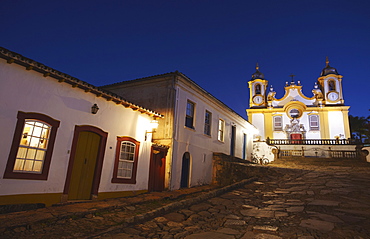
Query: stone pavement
x=304 y=202
x=331 y=202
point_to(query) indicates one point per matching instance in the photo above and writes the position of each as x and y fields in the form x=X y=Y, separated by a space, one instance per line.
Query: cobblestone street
x=305 y=202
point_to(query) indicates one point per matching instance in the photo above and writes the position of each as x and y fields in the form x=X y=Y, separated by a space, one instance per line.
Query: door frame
x=99 y=160
x=153 y=171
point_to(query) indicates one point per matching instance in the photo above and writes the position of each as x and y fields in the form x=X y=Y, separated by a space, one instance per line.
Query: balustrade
x=311 y=141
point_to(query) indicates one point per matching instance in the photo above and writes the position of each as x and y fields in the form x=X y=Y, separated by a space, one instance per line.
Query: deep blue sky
x=215 y=43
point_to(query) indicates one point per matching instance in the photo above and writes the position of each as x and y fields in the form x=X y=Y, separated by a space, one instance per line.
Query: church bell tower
x=257 y=90
x=330 y=83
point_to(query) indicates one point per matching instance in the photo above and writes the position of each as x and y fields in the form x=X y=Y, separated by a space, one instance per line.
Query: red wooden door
x=157 y=169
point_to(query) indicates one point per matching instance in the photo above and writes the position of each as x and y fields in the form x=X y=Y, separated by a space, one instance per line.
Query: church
x=297 y=117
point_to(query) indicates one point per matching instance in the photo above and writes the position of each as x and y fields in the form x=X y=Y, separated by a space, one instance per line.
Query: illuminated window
x=207 y=123
x=32 y=147
x=221 y=130
x=278 y=123
x=314 y=122
x=125 y=166
x=189 y=120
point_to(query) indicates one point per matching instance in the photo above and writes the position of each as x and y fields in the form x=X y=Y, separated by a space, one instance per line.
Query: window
x=331 y=85
x=207 y=123
x=189 y=120
x=125 y=165
x=314 y=122
x=278 y=124
x=32 y=147
x=257 y=89
x=221 y=129
x=294 y=113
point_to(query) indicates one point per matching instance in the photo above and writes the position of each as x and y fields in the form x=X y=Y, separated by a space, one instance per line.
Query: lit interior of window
x=32 y=147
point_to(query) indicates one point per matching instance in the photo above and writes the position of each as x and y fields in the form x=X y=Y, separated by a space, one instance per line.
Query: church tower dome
x=258 y=74
x=328 y=69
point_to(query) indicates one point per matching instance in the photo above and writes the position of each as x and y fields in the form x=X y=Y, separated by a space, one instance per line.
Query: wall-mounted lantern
x=94 y=109
x=153 y=126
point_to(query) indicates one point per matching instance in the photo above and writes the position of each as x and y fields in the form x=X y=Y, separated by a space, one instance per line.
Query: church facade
x=296 y=116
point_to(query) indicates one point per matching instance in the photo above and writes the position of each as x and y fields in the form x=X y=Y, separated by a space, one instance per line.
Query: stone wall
x=228 y=169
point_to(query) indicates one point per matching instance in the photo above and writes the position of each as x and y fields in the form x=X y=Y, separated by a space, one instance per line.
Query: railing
x=329 y=153
x=343 y=154
x=291 y=153
x=311 y=141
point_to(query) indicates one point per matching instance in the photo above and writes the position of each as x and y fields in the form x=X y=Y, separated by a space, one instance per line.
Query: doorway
x=157 y=169
x=232 y=143
x=185 y=170
x=296 y=138
x=85 y=164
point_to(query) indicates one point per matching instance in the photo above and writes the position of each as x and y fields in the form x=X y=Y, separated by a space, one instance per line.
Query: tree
x=360 y=127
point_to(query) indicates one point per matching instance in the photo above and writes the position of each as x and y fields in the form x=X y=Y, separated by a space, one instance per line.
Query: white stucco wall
x=29 y=91
x=336 y=124
x=258 y=120
x=199 y=145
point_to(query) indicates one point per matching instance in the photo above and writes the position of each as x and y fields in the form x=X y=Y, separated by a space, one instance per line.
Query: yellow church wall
x=324 y=130
x=347 y=132
x=268 y=125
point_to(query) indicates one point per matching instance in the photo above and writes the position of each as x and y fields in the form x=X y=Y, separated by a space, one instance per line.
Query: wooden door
x=84 y=166
x=157 y=169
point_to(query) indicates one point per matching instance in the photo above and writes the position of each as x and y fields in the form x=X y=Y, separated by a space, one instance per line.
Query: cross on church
x=292 y=82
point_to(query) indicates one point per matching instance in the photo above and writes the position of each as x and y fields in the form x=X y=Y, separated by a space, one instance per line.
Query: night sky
x=214 y=43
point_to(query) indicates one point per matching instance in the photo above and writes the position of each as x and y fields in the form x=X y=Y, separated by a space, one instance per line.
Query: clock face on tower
x=333 y=96
x=257 y=99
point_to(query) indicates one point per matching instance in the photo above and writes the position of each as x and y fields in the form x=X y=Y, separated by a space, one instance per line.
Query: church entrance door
x=294 y=138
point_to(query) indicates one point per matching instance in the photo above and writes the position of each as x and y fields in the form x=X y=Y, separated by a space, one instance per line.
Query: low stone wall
x=228 y=169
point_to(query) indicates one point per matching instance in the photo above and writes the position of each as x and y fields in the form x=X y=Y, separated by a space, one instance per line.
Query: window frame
x=22 y=117
x=115 y=178
x=221 y=130
x=207 y=123
x=278 y=128
x=314 y=128
x=189 y=119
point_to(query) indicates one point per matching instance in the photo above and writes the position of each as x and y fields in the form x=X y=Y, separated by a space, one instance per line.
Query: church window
x=32 y=147
x=189 y=119
x=294 y=113
x=314 y=122
x=207 y=123
x=331 y=85
x=221 y=130
x=278 y=124
x=257 y=89
x=125 y=165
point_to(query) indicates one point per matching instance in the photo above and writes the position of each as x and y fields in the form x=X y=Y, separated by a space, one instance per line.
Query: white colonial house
x=63 y=139
x=195 y=125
